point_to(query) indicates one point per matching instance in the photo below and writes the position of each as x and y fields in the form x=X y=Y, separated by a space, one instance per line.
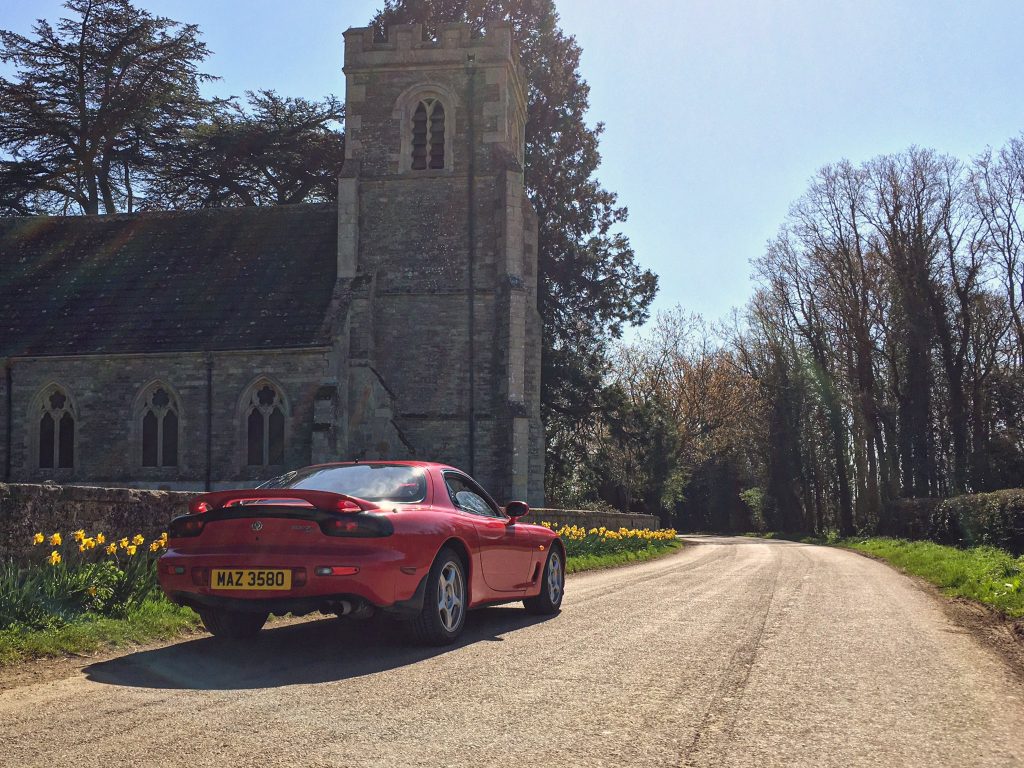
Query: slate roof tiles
x=241 y=278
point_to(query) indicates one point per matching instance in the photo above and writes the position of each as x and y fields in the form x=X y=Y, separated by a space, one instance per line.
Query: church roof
x=240 y=278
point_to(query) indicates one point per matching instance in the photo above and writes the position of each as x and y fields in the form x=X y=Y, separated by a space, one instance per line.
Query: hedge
x=995 y=519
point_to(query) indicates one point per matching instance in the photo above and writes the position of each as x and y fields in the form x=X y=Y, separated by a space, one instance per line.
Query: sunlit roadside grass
x=155 y=619
x=578 y=563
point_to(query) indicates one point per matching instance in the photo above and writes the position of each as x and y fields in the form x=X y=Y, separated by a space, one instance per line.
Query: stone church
x=216 y=348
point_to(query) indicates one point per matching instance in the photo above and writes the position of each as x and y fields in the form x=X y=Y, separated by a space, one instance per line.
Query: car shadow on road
x=296 y=654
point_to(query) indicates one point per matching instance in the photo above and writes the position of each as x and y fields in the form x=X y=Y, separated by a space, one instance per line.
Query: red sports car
x=416 y=539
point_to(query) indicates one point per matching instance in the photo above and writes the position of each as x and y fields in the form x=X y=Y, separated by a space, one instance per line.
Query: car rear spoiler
x=325 y=501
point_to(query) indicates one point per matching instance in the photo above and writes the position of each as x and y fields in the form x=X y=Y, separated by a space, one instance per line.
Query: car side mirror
x=516 y=509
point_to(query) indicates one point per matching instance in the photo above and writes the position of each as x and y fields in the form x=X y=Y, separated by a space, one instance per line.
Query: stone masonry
x=355 y=318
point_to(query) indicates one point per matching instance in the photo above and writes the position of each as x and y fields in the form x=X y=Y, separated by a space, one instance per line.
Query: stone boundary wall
x=28 y=508
x=589 y=519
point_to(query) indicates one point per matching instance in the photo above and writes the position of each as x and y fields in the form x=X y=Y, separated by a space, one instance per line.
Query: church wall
x=105 y=392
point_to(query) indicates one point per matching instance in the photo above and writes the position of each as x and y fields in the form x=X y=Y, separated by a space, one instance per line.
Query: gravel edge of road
x=997 y=632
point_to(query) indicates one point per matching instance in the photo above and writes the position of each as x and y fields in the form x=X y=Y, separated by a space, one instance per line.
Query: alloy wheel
x=556 y=578
x=450 y=596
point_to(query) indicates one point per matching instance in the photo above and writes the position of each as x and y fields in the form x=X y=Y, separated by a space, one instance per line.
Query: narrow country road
x=735 y=652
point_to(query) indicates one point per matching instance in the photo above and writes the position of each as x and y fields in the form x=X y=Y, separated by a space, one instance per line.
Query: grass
x=987 y=575
x=155 y=619
x=577 y=563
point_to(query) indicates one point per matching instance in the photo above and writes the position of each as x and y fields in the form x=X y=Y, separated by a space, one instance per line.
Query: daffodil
x=101 y=539
x=78 y=535
x=123 y=543
x=111 y=548
x=131 y=549
x=154 y=546
x=38 y=539
x=138 y=540
x=55 y=540
x=54 y=557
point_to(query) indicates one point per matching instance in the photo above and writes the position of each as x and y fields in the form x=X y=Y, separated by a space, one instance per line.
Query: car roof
x=385 y=462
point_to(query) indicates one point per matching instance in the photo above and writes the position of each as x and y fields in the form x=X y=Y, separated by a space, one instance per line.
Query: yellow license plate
x=250 y=578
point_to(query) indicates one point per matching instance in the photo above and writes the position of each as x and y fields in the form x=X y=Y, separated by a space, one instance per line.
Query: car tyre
x=552 y=587
x=234 y=625
x=445 y=600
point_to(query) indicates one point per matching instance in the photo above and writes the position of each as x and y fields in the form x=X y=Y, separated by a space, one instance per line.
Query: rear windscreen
x=373 y=482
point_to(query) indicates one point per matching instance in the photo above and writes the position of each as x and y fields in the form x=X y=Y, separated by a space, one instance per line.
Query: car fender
x=432 y=532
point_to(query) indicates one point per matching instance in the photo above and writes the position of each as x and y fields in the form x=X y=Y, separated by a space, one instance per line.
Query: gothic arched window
x=56 y=425
x=160 y=419
x=428 y=135
x=264 y=426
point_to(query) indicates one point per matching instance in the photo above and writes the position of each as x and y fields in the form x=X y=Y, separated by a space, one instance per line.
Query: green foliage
x=277 y=151
x=994 y=519
x=154 y=619
x=89 y=101
x=754 y=499
x=986 y=574
x=590 y=562
x=71 y=578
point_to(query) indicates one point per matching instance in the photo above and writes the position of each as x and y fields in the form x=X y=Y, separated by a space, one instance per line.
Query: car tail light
x=201 y=576
x=336 y=570
x=173 y=570
x=197 y=507
x=363 y=525
x=186 y=526
x=298 y=577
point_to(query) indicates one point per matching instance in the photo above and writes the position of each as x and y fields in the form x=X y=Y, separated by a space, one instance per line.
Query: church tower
x=438 y=243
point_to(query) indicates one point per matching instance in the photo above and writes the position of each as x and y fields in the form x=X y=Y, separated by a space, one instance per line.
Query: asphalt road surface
x=735 y=652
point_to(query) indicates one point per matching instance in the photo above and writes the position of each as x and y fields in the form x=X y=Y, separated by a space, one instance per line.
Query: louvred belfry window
x=56 y=431
x=264 y=427
x=428 y=135
x=159 y=429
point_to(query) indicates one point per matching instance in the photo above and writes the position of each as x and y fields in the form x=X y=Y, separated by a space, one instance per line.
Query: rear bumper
x=297 y=606
x=385 y=580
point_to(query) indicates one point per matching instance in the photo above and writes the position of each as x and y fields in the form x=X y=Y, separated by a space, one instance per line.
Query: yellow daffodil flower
x=123 y=543
x=55 y=540
x=131 y=549
x=54 y=557
x=101 y=539
x=78 y=535
x=138 y=540
x=38 y=539
x=111 y=548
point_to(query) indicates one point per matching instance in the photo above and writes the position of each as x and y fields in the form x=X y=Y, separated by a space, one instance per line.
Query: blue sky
x=717 y=112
